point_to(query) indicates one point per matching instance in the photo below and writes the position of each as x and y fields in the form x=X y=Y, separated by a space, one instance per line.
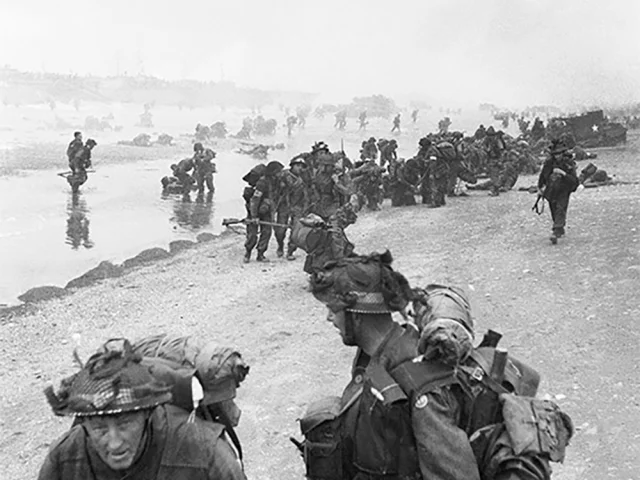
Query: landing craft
x=593 y=129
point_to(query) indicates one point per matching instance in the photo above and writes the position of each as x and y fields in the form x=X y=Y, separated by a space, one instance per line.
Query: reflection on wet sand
x=192 y=214
x=77 y=222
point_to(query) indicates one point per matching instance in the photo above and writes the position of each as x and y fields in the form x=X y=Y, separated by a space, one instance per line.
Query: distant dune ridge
x=19 y=88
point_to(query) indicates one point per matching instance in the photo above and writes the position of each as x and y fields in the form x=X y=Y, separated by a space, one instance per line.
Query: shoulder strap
x=418 y=377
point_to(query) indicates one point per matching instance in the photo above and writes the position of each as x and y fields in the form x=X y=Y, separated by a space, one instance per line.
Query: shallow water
x=48 y=236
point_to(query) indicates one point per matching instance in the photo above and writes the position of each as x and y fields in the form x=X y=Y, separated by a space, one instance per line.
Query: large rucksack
x=331 y=447
x=447 y=151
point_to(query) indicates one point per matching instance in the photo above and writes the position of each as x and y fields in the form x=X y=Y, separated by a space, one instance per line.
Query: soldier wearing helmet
x=262 y=208
x=419 y=404
x=293 y=202
x=74 y=146
x=558 y=179
x=126 y=428
x=79 y=164
x=388 y=153
x=204 y=167
x=396 y=124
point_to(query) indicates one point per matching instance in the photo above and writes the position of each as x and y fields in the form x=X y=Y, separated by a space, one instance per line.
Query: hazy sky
x=503 y=51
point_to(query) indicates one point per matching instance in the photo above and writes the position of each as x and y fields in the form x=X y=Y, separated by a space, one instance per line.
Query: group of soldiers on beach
x=425 y=400
x=321 y=183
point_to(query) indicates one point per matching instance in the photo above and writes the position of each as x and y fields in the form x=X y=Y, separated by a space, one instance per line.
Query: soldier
x=74 y=146
x=79 y=164
x=362 y=118
x=291 y=122
x=262 y=209
x=324 y=241
x=434 y=182
x=181 y=172
x=388 y=152
x=557 y=180
x=480 y=133
x=204 y=167
x=367 y=179
x=341 y=120
x=369 y=150
x=421 y=402
x=401 y=183
x=495 y=146
x=414 y=116
x=329 y=190
x=293 y=202
x=126 y=428
x=396 y=124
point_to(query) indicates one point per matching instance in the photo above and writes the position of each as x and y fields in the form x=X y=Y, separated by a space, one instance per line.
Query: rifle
x=226 y=222
x=69 y=173
x=537 y=207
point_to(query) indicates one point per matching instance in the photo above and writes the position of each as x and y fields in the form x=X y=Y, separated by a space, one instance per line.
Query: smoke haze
x=507 y=52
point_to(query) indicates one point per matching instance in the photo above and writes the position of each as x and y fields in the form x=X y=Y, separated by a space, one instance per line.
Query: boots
x=247 y=256
x=262 y=258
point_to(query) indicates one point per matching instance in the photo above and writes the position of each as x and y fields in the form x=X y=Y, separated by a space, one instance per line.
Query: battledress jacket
x=442 y=448
x=175 y=450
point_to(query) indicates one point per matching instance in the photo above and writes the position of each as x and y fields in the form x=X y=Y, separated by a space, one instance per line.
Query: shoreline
x=103 y=271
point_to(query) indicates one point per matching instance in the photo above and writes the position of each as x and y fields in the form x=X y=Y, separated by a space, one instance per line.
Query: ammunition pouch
x=536 y=427
x=518 y=378
x=322 y=450
x=266 y=207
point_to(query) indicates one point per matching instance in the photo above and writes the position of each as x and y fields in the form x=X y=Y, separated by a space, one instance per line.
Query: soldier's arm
x=444 y=451
x=224 y=464
x=49 y=469
x=544 y=174
x=254 y=204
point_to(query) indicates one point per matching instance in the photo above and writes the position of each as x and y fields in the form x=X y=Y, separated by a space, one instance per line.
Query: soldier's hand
x=335 y=178
x=253 y=221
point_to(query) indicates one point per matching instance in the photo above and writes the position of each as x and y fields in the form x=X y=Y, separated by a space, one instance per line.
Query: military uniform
x=410 y=412
x=368 y=181
x=557 y=187
x=387 y=152
x=434 y=185
x=292 y=204
x=262 y=208
x=329 y=194
x=204 y=169
x=74 y=147
x=79 y=164
x=181 y=172
x=494 y=146
x=175 y=450
x=400 y=184
x=125 y=428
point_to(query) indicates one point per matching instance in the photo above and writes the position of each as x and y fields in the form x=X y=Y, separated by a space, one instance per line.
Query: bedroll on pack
x=440 y=301
x=447 y=151
x=306 y=232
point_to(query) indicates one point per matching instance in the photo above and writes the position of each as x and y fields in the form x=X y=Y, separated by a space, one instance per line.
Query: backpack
x=447 y=151
x=370 y=427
